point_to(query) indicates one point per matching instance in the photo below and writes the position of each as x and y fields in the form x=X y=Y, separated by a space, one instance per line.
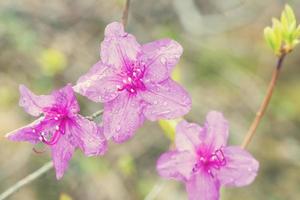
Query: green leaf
x=289 y=13
x=52 y=61
x=270 y=37
x=126 y=165
x=168 y=126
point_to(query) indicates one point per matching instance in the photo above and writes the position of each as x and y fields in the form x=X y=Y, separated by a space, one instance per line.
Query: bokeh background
x=226 y=66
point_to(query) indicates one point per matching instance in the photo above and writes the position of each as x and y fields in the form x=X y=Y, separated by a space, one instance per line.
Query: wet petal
x=118 y=47
x=216 y=130
x=122 y=117
x=99 y=84
x=240 y=169
x=89 y=136
x=187 y=136
x=34 y=104
x=26 y=133
x=176 y=165
x=166 y=100
x=160 y=57
x=203 y=187
x=61 y=152
x=65 y=98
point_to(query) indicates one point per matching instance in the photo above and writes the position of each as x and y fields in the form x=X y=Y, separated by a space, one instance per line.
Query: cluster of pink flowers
x=133 y=82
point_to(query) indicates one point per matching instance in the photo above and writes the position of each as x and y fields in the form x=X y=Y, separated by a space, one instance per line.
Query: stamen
x=53 y=140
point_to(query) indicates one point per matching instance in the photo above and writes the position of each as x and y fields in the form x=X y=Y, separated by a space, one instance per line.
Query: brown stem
x=125 y=13
x=263 y=107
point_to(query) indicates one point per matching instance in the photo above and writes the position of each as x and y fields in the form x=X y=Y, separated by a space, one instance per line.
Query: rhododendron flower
x=133 y=81
x=60 y=127
x=204 y=162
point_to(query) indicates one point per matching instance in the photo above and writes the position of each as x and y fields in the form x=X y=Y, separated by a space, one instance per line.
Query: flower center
x=50 y=128
x=209 y=162
x=132 y=78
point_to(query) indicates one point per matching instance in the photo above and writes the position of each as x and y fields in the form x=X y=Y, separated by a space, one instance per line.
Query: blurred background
x=226 y=66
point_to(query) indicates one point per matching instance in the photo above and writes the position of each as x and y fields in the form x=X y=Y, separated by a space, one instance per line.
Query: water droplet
x=163 y=60
x=155 y=102
x=118 y=128
x=57 y=127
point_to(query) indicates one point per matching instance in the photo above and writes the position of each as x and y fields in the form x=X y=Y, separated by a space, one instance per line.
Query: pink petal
x=32 y=103
x=62 y=152
x=160 y=57
x=65 y=98
x=25 y=133
x=122 y=117
x=187 y=136
x=176 y=165
x=99 y=84
x=203 y=187
x=118 y=46
x=89 y=136
x=216 y=130
x=241 y=168
x=166 y=100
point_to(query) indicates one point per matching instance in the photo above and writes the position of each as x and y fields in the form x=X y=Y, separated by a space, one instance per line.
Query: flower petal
x=62 y=152
x=90 y=138
x=118 y=47
x=65 y=98
x=166 y=100
x=203 y=186
x=240 y=169
x=34 y=104
x=216 y=130
x=176 y=165
x=160 y=57
x=187 y=136
x=122 y=116
x=99 y=84
x=25 y=133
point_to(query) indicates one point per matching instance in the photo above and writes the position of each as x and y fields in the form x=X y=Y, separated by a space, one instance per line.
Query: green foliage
x=168 y=127
x=65 y=196
x=52 y=61
x=284 y=34
x=126 y=165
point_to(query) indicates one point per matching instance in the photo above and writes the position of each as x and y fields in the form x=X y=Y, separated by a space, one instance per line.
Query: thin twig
x=262 y=109
x=94 y=115
x=125 y=13
x=155 y=190
x=36 y=174
x=28 y=179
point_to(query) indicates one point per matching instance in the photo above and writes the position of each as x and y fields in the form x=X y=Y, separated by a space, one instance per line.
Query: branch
x=125 y=13
x=262 y=109
x=155 y=190
x=28 y=179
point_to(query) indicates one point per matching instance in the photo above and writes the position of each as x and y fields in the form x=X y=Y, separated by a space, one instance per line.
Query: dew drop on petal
x=118 y=128
x=163 y=60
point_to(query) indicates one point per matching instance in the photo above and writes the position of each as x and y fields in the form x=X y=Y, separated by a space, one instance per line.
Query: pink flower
x=133 y=81
x=60 y=127
x=204 y=162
